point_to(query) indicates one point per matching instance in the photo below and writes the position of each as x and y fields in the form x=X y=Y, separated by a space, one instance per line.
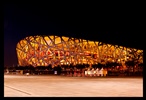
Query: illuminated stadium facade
x=57 y=50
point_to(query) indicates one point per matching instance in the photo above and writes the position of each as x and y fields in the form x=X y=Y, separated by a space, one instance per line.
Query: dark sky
x=115 y=25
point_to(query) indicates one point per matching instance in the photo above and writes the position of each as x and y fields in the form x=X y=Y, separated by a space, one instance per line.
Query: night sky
x=112 y=25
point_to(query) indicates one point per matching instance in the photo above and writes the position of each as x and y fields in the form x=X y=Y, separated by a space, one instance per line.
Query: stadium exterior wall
x=57 y=50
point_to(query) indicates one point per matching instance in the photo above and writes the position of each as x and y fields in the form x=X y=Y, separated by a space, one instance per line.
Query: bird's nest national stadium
x=58 y=50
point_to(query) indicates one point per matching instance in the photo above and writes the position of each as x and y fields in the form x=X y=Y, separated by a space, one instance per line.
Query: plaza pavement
x=61 y=86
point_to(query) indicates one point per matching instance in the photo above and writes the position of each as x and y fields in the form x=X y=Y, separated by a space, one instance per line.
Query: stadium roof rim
x=83 y=38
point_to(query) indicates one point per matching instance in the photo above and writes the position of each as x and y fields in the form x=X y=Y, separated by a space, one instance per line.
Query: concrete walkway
x=58 y=86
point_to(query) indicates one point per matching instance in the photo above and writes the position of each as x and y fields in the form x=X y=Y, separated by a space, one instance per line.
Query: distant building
x=57 y=50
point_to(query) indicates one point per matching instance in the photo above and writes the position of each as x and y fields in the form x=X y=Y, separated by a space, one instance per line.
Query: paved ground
x=59 y=86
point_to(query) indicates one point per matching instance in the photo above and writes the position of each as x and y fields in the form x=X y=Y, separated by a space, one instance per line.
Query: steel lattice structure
x=44 y=50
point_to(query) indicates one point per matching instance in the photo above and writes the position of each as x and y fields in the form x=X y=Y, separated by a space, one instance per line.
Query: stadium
x=61 y=50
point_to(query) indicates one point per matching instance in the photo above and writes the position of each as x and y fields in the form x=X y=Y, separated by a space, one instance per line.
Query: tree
x=131 y=63
x=140 y=64
x=99 y=65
